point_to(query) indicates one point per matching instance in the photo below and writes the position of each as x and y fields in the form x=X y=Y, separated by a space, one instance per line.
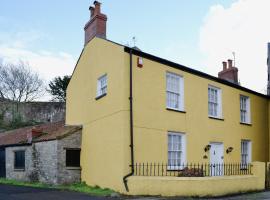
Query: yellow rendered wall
x=105 y=121
x=105 y=155
x=152 y=121
x=198 y=186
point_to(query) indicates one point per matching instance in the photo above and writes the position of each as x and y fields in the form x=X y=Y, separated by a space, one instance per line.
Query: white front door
x=216 y=159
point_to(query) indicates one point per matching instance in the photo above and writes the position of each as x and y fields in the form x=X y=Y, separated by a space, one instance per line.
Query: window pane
x=102 y=85
x=73 y=158
x=244 y=152
x=173 y=90
x=244 y=109
x=213 y=102
x=19 y=161
x=174 y=149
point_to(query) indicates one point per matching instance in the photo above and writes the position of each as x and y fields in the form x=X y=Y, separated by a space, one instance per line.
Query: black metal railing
x=191 y=169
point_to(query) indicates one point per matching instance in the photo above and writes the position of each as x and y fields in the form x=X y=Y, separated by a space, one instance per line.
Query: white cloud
x=47 y=64
x=242 y=28
x=17 y=47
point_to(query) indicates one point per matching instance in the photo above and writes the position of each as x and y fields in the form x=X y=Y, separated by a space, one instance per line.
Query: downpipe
x=131 y=123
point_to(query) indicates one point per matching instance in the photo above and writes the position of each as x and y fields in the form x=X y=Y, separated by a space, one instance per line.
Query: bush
x=192 y=172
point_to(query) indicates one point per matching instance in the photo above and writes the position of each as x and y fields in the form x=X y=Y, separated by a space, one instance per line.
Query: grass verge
x=76 y=187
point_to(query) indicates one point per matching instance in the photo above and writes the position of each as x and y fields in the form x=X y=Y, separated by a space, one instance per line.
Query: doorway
x=216 y=159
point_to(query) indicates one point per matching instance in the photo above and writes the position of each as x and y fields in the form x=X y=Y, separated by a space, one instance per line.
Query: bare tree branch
x=18 y=83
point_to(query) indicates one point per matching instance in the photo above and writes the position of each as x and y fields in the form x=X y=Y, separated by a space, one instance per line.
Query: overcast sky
x=49 y=35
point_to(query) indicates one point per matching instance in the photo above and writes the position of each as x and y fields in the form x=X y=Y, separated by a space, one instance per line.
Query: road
x=9 y=192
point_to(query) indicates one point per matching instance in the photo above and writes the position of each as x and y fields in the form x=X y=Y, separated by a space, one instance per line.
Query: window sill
x=175 y=169
x=175 y=110
x=19 y=170
x=247 y=124
x=100 y=96
x=216 y=118
x=73 y=168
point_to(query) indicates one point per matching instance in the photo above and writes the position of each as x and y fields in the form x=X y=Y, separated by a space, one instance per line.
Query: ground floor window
x=19 y=160
x=73 y=157
x=176 y=150
x=245 y=152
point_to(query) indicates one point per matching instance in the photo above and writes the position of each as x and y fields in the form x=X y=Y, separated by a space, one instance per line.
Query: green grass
x=21 y=183
x=76 y=187
x=82 y=187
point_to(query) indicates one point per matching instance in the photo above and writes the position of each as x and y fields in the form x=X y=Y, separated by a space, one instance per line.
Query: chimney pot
x=96 y=26
x=97 y=7
x=224 y=65
x=92 y=10
x=229 y=73
x=230 y=63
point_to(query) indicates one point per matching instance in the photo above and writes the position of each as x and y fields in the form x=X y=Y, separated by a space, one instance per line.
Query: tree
x=19 y=84
x=58 y=87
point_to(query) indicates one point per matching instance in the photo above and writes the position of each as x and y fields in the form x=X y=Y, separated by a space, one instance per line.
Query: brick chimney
x=35 y=132
x=96 y=26
x=229 y=73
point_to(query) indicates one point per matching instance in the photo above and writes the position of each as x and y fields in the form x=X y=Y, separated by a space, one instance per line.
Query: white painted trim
x=249 y=146
x=181 y=92
x=184 y=149
x=218 y=143
x=250 y=151
x=248 y=109
x=98 y=93
x=219 y=101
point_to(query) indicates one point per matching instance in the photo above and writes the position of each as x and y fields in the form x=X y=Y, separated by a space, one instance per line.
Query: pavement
x=9 y=192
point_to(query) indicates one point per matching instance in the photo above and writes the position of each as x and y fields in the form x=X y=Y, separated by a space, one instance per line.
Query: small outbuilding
x=48 y=153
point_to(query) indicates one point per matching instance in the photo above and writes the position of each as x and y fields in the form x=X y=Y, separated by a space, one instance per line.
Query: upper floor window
x=175 y=91
x=244 y=109
x=102 y=86
x=214 y=102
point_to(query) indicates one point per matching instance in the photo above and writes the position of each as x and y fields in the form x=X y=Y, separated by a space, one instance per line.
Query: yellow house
x=138 y=108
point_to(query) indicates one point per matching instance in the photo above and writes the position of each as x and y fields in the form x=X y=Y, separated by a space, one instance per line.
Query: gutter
x=192 y=71
x=131 y=122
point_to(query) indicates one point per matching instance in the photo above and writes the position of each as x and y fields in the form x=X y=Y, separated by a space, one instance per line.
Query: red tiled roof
x=57 y=134
x=49 y=131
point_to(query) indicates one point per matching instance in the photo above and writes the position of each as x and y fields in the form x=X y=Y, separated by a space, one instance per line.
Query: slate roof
x=48 y=131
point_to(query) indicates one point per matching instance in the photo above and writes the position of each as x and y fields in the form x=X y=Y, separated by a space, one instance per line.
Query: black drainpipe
x=131 y=122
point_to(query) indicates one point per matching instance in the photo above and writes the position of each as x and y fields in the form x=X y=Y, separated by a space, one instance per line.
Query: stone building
x=48 y=153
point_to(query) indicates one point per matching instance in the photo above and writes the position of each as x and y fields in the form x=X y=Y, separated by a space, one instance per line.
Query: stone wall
x=65 y=174
x=46 y=161
x=18 y=174
x=33 y=111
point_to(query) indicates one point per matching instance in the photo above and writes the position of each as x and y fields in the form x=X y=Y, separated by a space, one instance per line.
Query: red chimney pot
x=230 y=63
x=229 y=73
x=224 y=65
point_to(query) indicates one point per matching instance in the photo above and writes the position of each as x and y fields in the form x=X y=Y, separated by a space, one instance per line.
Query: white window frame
x=182 y=150
x=101 y=87
x=247 y=153
x=180 y=91
x=218 y=102
x=245 y=116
